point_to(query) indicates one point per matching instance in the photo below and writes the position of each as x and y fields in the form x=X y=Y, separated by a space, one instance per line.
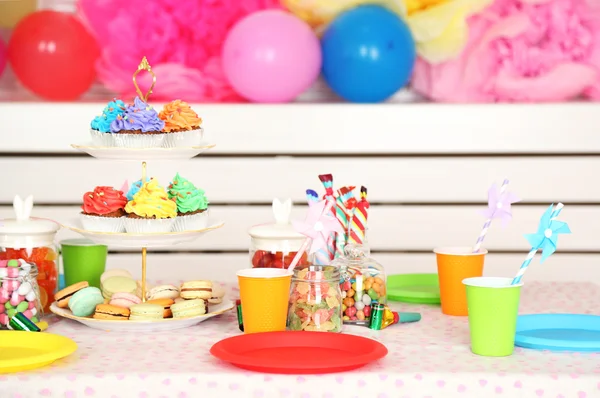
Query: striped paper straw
x=488 y=222
x=358 y=224
x=342 y=216
x=532 y=252
x=327 y=180
x=322 y=256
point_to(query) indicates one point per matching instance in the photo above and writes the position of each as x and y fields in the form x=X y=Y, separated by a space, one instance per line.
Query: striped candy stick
x=342 y=214
x=521 y=272
x=488 y=222
x=358 y=225
x=327 y=181
x=322 y=256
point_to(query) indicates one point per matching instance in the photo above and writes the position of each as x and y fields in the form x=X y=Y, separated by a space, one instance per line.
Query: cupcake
x=192 y=205
x=100 y=126
x=138 y=127
x=151 y=210
x=134 y=188
x=103 y=210
x=182 y=125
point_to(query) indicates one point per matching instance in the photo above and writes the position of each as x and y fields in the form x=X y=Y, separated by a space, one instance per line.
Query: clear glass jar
x=315 y=299
x=362 y=281
x=32 y=240
x=275 y=245
x=19 y=291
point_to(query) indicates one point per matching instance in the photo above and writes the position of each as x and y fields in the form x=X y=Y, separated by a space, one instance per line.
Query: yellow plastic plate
x=21 y=351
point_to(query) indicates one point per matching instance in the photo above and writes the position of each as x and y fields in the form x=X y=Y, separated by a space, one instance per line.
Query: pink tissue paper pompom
x=522 y=51
x=181 y=39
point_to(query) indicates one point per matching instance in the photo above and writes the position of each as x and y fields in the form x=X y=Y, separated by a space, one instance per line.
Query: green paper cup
x=83 y=260
x=493 y=307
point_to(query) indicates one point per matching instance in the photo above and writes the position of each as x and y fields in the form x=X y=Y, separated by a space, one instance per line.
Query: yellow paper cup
x=493 y=308
x=264 y=293
x=454 y=265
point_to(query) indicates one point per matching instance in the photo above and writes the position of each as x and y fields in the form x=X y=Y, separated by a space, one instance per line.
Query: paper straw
x=327 y=180
x=342 y=217
x=306 y=243
x=358 y=225
x=322 y=256
x=487 y=224
x=532 y=252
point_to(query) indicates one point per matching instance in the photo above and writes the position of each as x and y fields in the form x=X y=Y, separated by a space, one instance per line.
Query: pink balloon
x=2 y=56
x=271 y=56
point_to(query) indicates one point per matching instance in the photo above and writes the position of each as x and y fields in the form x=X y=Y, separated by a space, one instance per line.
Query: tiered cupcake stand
x=144 y=241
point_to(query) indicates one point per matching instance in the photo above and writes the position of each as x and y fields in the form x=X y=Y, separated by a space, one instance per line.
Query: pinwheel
x=317 y=227
x=546 y=238
x=499 y=206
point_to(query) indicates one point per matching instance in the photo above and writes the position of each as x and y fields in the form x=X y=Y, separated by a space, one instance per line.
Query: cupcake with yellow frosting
x=150 y=210
x=192 y=205
x=182 y=125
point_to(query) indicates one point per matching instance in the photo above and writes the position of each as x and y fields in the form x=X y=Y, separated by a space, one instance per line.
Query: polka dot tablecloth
x=430 y=358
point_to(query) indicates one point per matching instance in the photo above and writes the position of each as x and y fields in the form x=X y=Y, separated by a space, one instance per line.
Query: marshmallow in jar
x=28 y=256
x=274 y=245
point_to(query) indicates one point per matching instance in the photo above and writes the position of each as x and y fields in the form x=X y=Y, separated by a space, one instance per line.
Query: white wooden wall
x=427 y=168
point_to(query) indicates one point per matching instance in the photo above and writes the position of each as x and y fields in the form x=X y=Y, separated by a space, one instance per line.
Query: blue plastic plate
x=559 y=332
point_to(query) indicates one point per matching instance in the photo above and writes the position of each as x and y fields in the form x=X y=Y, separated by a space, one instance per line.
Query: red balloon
x=53 y=55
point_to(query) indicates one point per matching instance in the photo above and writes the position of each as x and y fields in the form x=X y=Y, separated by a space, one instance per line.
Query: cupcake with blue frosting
x=100 y=126
x=138 y=127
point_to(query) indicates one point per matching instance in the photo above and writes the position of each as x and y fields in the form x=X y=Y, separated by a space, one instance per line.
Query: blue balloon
x=368 y=54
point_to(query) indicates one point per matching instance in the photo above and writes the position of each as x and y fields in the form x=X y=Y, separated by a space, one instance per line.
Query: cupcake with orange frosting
x=103 y=210
x=182 y=125
x=150 y=210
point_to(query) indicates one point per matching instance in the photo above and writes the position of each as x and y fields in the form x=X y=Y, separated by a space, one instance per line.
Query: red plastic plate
x=298 y=352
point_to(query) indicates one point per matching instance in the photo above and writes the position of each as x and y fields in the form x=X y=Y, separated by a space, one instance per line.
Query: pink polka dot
x=70 y=394
x=498 y=390
x=234 y=386
x=259 y=394
x=46 y=392
x=339 y=379
x=440 y=383
x=581 y=394
x=193 y=380
x=518 y=384
x=143 y=395
x=461 y=388
x=300 y=379
x=482 y=383
x=166 y=382
x=89 y=391
x=211 y=384
x=182 y=395
x=539 y=393
x=399 y=383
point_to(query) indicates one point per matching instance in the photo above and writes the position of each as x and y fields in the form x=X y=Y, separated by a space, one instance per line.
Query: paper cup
x=148 y=225
x=454 y=265
x=493 y=307
x=264 y=293
x=183 y=138
x=192 y=222
x=102 y=224
x=83 y=260
x=142 y=140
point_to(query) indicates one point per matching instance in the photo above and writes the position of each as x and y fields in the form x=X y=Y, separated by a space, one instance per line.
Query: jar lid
x=279 y=236
x=25 y=232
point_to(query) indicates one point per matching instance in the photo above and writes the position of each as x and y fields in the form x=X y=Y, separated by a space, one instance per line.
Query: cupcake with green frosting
x=192 y=205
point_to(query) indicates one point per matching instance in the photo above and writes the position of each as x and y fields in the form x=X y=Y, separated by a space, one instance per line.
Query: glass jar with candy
x=19 y=291
x=274 y=245
x=315 y=299
x=31 y=240
x=362 y=282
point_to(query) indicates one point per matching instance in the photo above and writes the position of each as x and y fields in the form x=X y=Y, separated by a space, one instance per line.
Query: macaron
x=62 y=296
x=117 y=284
x=138 y=290
x=115 y=272
x=163 y=291
x=111 y=312
x=189 y=308
x=196 y=290
x=84 y=301
x=217 y=295
x=146 y=312
x=124 y=300
x=165 y=303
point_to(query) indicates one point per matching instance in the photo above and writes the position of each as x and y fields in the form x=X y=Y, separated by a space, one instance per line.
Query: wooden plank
x=391 y=228
x=222 y=267
x=336 y=128
x=259 y=180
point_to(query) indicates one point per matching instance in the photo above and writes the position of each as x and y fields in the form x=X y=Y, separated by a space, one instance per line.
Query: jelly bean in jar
x=315 y=299
x=19 y=291
x=31 y=240
x=275 y=245
x=362 y=282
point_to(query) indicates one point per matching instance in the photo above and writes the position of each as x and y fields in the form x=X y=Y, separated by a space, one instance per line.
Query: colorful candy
x=265 y=259
x=315 y=300
x=17 y=294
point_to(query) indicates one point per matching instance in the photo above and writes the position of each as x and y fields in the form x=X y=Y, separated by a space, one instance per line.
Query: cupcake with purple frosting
x=138 y=127
x=100 y=126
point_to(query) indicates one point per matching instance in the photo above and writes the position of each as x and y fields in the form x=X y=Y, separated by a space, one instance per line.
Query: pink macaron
x=124 y=300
